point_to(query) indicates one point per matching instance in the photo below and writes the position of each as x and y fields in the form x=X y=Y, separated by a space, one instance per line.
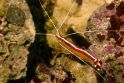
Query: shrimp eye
x=98 y=64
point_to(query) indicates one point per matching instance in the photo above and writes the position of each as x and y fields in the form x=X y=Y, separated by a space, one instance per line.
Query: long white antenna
x=44 y=34
x=83 y=32
x=48 y=16
x=51 y=19
x=95 y=31
x=67 y=14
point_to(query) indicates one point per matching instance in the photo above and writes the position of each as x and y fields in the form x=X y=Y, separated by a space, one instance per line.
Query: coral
x=64 y=71
x=48 y=75
x=105 y=32
x=16 y=34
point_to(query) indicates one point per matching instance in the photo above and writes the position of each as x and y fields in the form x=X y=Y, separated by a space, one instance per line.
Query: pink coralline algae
x=105 y=31
x=48 y=75
x=109 y=49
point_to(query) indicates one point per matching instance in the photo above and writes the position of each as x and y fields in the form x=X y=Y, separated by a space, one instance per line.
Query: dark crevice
x=79 y=40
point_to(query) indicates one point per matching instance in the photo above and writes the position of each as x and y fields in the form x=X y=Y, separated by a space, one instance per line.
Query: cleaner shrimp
x=81 y=54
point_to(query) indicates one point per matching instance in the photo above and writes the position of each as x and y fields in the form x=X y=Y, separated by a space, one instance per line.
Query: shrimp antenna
x=48 y=16
x=67 y=14
x=80 y=32
x=92 y=32
x=51 y=19
x=44 y=34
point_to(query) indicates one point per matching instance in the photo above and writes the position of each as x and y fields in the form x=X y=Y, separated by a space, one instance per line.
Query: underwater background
x=31 y=53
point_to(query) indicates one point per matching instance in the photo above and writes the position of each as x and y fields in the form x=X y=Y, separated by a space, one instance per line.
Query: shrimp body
x=79 y=52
